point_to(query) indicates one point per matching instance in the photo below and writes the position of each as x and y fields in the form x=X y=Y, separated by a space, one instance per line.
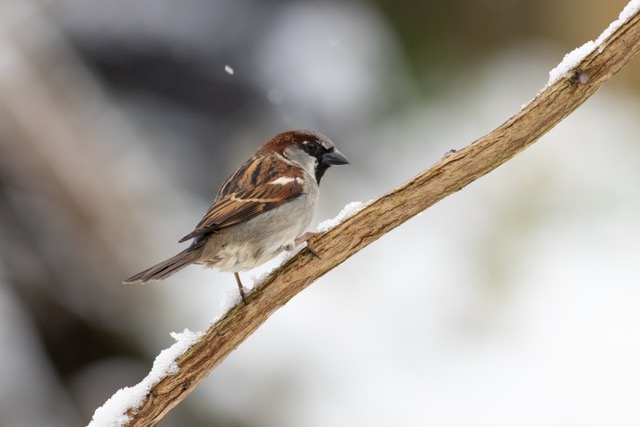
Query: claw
x=308 y=238
x=312 y=249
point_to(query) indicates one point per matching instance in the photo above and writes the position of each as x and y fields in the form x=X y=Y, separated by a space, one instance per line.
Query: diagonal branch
x=578 y=77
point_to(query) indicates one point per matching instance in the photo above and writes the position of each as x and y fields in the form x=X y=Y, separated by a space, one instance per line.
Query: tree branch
x=618 y=45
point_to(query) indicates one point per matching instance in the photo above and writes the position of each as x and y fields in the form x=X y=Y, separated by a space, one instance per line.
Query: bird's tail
x=166 y=268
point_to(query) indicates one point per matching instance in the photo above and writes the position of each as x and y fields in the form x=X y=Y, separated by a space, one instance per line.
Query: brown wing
x=257 y=186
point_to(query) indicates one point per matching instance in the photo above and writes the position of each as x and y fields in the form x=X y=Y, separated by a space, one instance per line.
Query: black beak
x=334 y=157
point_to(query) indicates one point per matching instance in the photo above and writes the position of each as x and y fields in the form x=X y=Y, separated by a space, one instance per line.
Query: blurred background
x=512 y=302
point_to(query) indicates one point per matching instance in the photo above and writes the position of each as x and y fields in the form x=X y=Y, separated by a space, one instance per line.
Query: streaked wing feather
x=246 y=194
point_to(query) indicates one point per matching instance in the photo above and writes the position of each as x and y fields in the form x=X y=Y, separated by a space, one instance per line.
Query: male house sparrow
x=261 y=210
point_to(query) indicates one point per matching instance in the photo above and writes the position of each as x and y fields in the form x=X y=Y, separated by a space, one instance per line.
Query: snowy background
x=512 y=302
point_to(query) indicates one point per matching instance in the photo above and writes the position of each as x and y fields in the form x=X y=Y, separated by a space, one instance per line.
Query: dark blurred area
x=119 y=120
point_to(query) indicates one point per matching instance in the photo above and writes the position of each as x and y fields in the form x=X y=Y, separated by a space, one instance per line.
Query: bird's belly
x=245 y=256
x=258 y=240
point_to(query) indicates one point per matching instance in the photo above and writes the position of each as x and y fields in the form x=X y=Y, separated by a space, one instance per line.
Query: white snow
x=570 y=61
x=347 y=212
x=113 y=412
x=229 y=300
x=573 y=58
x=228 y=70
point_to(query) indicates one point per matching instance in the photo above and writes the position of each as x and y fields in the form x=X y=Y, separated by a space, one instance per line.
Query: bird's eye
x=312 y=147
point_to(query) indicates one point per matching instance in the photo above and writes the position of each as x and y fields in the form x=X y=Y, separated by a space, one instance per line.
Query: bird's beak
x=334 y=157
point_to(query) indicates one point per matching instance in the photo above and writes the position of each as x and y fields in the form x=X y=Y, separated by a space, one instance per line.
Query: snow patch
x=570 y=61
x=573 y=58
x=347 y=212
x=229 y=300
x=113 y=412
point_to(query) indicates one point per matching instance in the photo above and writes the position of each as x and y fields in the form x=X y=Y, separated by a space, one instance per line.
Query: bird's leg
x=244 y=300
x=308 y=237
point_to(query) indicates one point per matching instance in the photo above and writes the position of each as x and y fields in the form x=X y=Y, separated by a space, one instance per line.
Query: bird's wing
x=259 y=185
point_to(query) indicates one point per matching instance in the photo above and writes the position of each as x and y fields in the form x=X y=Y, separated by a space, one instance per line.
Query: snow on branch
x=573 y=58
x=115 y=410
x=194 y=356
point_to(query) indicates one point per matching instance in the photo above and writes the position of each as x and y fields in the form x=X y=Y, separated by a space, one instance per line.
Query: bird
x=262 y=209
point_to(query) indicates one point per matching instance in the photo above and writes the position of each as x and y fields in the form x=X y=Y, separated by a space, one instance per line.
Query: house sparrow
x=261 y=210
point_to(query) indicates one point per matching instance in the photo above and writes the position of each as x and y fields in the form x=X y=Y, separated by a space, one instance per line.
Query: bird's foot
x=308 y=238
